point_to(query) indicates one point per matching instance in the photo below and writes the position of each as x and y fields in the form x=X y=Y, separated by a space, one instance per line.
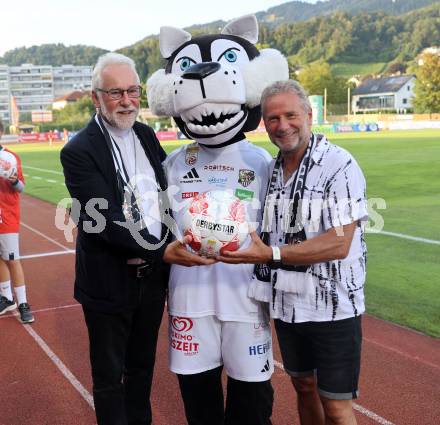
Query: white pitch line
x=45 y=236
x=47 y=254
x=411 y=238
x=375 y=417
x=51 y=181
x=42 y=169
x=60 y=365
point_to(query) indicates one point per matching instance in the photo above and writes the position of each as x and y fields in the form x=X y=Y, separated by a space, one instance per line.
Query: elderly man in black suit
x=122 y=245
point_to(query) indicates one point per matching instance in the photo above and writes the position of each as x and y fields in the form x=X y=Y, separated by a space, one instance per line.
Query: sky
x=110 y=24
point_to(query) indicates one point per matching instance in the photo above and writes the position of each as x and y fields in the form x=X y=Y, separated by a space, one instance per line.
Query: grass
x=401 y=167
x=43 y=172
x=350 y=69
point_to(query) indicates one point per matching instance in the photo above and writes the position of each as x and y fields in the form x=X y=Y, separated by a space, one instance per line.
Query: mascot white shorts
x=201 y=344
x=9 y=249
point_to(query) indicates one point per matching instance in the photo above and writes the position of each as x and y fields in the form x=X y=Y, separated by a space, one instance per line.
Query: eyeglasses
x=117 y=94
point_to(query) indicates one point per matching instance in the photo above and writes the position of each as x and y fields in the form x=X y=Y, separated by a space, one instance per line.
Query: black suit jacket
x=102 y=280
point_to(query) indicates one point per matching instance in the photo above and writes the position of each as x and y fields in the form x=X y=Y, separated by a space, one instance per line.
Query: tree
x=427 y=89
x=74 y=115
x=396 y=67
x=318 y=76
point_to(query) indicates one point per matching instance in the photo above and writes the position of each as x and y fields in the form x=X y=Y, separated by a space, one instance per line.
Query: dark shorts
x=332 y=350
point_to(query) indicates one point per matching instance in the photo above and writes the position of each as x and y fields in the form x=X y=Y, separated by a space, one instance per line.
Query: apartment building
x=69 y=78
x=4 y=93
x=34 y=87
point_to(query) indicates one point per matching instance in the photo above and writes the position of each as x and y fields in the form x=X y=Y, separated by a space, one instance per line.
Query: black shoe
x=26 y=315
x=6 y=305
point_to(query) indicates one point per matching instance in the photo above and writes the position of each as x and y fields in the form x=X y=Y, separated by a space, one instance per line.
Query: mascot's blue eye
x=230 y=55
x=185 y=63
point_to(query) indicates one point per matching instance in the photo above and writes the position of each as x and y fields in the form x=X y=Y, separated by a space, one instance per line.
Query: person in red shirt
x=10 y=265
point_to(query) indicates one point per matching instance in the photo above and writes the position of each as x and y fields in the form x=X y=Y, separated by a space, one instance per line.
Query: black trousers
x=122 y=354
x=247 y=403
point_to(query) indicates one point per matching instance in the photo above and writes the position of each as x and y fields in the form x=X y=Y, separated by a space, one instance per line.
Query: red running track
x=45 y=373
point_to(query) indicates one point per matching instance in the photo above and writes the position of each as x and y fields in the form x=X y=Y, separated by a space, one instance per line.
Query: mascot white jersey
x=211 y=86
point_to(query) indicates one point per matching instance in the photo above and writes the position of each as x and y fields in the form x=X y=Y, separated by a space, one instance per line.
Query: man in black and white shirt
x=312 y=268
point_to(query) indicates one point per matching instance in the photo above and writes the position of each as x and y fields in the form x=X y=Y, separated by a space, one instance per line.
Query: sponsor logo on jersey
x=192 y=176
x=191 y=155
x=218 y=181
x=259 y=349
x=243 y=194
x=218 y=167
x=260 y=329
x=187 y=195
x=261 y=325
x=246 y=177
x=181 y=324
x=266 y=367
x=181 y=339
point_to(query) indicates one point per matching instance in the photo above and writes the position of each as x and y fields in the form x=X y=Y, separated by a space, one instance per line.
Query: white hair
x=107 y=59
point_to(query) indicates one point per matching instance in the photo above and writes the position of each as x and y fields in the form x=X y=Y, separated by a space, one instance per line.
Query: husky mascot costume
x=211 y=86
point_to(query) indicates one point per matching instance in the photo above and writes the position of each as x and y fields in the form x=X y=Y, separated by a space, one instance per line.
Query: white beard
x=119 y=121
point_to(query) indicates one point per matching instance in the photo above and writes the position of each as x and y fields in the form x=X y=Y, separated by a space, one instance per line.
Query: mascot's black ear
x=171 y=39
x=245 y=27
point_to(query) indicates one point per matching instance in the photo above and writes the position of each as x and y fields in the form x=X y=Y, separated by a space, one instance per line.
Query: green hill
x=337 y=31
x=53 y=54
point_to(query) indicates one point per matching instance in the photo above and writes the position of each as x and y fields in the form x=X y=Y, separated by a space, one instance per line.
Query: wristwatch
x=276 y=257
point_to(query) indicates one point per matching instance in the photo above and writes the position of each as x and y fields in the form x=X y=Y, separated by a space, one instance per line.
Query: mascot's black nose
x=199 y=71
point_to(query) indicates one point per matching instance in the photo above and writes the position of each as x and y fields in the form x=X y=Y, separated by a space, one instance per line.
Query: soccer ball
x=216 y=221
x=8 y=164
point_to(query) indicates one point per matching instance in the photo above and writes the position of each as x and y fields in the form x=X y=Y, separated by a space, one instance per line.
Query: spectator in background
x=10 y=266
x=65 y=135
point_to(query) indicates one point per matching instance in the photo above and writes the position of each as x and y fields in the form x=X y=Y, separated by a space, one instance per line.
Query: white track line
x=42 y=169
x=60 y=365
x=403 y=354
x=45 y=236
x=373 y=416
x=61 y=307
x=411 y=238
x=47 y=254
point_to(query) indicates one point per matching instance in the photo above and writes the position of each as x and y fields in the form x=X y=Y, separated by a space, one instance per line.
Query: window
x=376 y=102
x=404 y=101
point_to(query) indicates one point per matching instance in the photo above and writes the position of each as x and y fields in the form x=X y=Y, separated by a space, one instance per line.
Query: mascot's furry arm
x=212 y=84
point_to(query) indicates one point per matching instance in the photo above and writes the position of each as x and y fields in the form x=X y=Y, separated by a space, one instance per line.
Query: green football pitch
x=402 y=168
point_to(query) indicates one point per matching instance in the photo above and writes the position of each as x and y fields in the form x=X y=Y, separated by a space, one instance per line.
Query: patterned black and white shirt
x=334 y=195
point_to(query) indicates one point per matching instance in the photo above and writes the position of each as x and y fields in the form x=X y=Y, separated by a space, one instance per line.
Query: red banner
x=39 y=137
x=166 y=135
